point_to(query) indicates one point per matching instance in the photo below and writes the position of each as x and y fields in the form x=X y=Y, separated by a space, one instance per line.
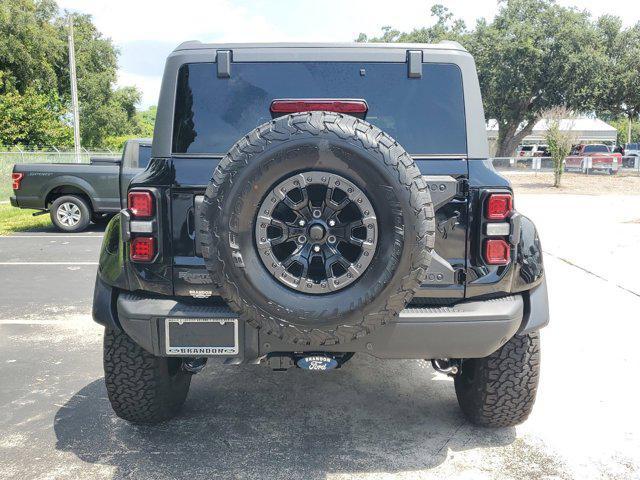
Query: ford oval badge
x=317 y=362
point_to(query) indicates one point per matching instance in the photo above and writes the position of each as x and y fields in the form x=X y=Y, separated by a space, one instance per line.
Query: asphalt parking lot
x=371 y=419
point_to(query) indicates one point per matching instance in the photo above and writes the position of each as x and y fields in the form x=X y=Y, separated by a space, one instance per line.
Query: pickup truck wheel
x=317 y=228
x=500 y=390
x=142 y=388
x=70 y=213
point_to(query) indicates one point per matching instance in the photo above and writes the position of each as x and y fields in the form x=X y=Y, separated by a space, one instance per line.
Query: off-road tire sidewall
x=142 y=388
x=500 y=390
x=375 y=164
x=85 y=213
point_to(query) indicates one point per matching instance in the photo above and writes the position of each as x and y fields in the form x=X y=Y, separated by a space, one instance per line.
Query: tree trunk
x=509 y=137
x=558 y=167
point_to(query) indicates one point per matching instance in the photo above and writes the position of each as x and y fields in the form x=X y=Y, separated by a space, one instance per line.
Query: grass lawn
x=16 y=219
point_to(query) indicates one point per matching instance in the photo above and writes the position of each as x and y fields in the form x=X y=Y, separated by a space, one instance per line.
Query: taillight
x=498 y=206
x=140 y=203
x=496 y=231
x=142 y=249
x=327 y=105
x=497 y=252
x=16 y=178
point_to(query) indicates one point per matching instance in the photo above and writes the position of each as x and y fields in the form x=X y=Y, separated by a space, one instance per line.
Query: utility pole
x=74 y=90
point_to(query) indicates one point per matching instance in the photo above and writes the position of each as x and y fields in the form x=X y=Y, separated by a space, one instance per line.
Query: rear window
x=596 y=149
x=526 y=149
x=632 y=146
x=425 y=115
x=144 y=155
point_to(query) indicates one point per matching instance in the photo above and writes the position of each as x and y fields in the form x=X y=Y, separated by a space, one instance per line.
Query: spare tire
x=317 y=227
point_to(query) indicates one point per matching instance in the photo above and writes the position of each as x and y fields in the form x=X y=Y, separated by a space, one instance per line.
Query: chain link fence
x=8 y=158
x=545 y=164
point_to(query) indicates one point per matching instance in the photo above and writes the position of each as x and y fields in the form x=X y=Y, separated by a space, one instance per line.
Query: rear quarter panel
x=98 y=182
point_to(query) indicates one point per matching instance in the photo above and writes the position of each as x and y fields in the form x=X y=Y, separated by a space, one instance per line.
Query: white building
x=585 y=130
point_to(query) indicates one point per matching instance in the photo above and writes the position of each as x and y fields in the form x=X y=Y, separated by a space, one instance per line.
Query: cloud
x=169 y=21
x=144 y=57
x=146 y=31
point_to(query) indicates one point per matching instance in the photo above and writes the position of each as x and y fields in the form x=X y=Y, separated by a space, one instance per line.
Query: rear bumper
x=467 y=330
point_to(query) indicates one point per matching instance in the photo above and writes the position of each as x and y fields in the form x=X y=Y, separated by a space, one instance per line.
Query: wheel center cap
x=316 y=232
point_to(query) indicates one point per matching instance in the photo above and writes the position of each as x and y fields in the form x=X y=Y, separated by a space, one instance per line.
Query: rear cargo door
x=421 y=107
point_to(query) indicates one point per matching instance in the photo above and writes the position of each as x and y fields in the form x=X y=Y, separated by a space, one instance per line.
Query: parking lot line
x=32 y=322
x=50 y=236
x=48 y=263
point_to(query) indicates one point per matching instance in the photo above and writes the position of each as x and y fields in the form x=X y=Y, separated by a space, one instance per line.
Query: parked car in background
x=542 y=151
x=632 y=149
x=593 y=158
x=75 y=194
x=532 y=151
x=631 y=155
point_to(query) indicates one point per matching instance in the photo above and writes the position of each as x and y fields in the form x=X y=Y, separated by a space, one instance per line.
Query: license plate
x=201 y=336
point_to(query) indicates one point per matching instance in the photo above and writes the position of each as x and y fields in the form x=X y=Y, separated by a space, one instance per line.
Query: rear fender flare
x=68 y=181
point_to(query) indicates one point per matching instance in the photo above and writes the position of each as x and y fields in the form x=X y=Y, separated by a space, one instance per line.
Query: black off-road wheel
x=142 y=388
x=317 y=228
x=500 y=390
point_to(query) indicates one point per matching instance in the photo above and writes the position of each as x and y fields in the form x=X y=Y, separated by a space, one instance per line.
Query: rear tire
x=142 y=388
x=70 y=213
x=500 y=390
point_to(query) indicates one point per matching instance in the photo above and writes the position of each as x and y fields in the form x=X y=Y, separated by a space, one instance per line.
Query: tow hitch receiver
x=317 y=361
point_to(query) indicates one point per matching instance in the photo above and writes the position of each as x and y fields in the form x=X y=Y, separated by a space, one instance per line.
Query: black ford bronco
x=305 y=202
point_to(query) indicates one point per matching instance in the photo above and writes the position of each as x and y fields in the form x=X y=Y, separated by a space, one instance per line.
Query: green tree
x=559 y=141
x=30 y=49
x=621 y=97
x=533 y=56
x=446 y=27
x=626 y=128
x=146 y=121
x=34 y=68
x=31 y=112
x=29 y=119
x=104 y=110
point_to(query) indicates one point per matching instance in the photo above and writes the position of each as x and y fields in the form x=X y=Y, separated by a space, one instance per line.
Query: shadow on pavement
x=92 y=228
x=250 y=422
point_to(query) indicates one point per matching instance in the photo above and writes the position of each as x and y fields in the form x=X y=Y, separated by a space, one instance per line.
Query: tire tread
x=387 y=151
x=140 y=386
x=500 y=390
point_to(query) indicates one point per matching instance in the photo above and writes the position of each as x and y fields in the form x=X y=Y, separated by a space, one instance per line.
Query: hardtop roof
x=197 y=45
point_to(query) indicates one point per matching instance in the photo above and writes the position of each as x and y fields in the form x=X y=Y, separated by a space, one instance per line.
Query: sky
x=146 y=31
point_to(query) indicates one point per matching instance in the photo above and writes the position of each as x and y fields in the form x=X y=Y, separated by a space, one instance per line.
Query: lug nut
x=302 y=239
x=316 y=248
x=332 y=223
x=331 y=239
x=301 y=223
x=317 y=214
